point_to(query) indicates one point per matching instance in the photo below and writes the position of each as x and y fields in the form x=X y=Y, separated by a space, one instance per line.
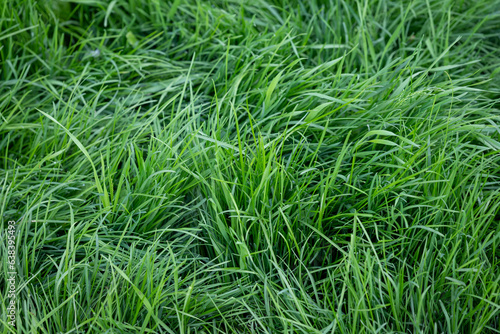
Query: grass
x=251 y=166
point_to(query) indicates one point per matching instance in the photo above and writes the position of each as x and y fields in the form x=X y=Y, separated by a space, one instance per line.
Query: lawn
x=258 y=166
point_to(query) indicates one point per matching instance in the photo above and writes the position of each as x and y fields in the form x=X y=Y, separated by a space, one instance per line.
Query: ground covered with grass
x=251 y=166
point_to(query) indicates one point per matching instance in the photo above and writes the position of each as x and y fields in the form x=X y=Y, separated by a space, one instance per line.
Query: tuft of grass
x=274 y=166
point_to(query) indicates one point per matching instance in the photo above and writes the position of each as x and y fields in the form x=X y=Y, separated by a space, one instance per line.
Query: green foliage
x=267 y=166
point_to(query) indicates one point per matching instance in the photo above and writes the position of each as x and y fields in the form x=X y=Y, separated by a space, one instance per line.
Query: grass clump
x=251 y=166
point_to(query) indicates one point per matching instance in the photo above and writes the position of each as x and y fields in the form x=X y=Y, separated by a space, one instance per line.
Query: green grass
x=271 y=166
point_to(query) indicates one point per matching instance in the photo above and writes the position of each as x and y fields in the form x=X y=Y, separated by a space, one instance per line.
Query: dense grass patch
x=251 y=166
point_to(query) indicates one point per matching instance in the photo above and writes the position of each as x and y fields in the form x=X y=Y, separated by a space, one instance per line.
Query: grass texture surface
x=263 y=166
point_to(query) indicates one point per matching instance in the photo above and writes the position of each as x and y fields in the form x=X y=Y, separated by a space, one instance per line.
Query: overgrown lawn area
x=257 y=166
